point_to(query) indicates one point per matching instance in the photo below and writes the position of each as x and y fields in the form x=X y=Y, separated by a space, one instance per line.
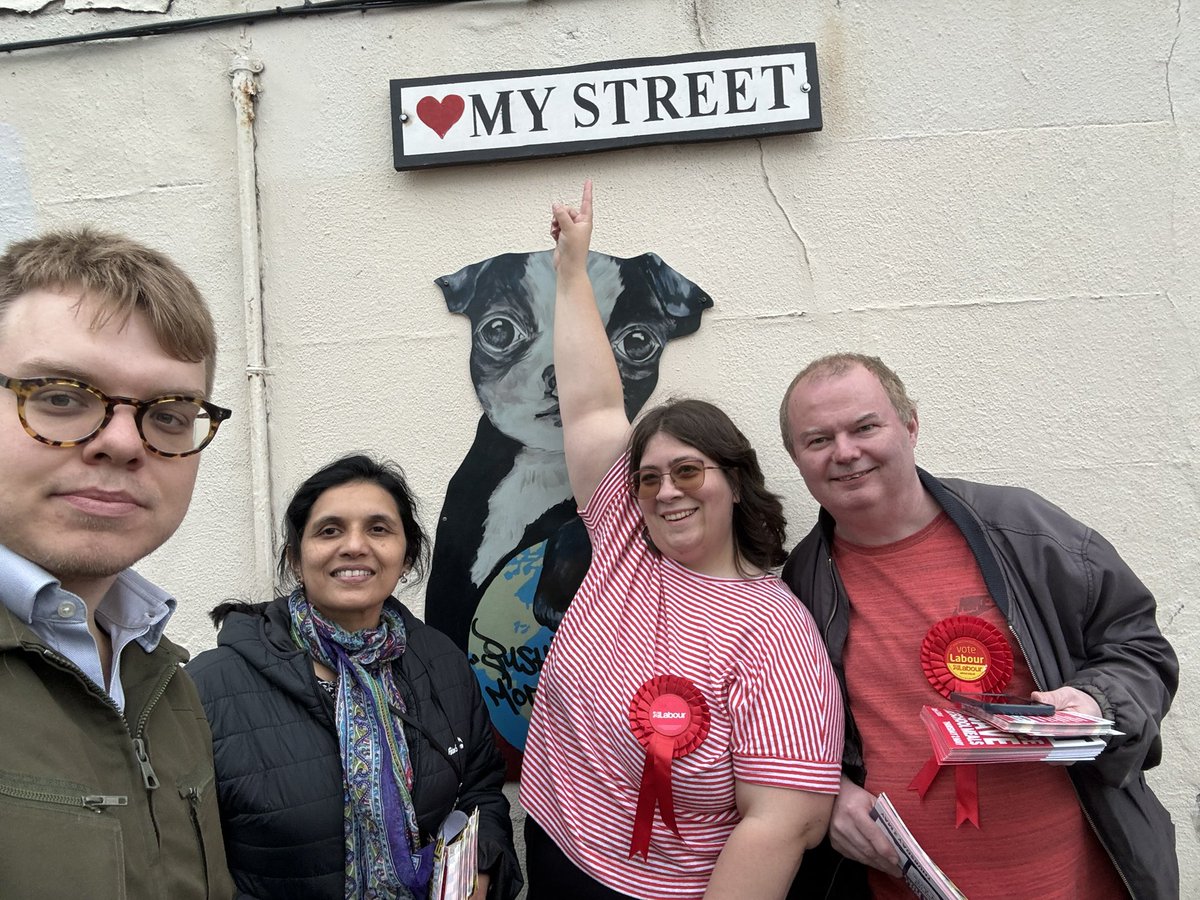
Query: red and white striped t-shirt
x=748 y=645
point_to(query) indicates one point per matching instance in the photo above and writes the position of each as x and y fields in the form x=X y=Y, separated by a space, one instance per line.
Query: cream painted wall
x=1003 y=204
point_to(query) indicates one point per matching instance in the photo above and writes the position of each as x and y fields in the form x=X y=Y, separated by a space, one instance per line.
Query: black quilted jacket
x=279 y=774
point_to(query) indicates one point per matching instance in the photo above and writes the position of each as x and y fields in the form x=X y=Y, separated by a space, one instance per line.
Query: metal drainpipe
x=244 y=75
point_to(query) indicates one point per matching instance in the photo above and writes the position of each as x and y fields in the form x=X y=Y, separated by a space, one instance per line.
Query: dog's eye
x=499 y=333
x=637 y=345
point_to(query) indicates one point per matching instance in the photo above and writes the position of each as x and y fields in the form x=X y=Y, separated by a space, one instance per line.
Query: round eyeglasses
x=687 y=475
x=63 y=412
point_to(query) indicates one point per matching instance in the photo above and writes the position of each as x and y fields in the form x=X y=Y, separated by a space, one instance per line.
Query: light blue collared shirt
x=132 y=610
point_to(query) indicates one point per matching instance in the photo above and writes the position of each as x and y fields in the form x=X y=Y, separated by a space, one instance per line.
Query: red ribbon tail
x=925 y=777
x=643 y=820
x=662 y=748
x=966 y=796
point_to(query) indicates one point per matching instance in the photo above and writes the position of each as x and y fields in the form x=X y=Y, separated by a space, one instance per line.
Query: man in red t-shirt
x=899 y=559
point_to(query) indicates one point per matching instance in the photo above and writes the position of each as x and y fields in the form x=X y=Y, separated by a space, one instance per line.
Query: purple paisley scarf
x=382 y=840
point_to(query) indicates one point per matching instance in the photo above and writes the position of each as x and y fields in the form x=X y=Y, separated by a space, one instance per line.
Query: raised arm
x=595 y=427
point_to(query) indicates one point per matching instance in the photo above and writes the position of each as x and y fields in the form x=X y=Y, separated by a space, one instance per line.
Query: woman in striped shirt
x=687 y=735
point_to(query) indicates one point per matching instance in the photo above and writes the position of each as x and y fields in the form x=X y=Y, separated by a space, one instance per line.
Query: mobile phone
x=1008 y=704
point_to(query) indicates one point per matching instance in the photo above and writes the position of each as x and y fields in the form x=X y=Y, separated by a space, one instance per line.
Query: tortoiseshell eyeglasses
x=63 y=412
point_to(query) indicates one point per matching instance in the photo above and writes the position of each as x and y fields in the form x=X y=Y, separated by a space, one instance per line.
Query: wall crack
x=699 y=26
x=1170 y=619
x=1171 y=55
x=164 y=187
x=804 y=261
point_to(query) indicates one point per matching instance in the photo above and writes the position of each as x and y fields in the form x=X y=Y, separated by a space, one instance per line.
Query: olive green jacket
x=98 y=804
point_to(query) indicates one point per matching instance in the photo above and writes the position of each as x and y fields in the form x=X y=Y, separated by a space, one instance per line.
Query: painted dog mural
x=510 y=549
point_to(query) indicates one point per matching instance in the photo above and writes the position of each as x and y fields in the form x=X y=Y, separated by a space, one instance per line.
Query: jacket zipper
x=1078 y=799
x=836 y=599
x=95 y=802
x=153 y=701
x=149 y=778
x=1116 y=866
x=63 y=663
x=192 y=794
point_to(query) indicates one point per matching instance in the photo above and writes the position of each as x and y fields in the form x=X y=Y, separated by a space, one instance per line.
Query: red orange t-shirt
x=1033 y=839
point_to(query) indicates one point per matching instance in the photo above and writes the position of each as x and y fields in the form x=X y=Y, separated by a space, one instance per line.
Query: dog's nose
x=550 y=379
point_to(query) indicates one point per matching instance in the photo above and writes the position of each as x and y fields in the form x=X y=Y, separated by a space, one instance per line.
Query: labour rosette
x=966 y=653
x=669 y=717
x=963 y=653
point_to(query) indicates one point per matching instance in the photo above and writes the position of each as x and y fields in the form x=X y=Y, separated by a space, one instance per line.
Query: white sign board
x=456 y=119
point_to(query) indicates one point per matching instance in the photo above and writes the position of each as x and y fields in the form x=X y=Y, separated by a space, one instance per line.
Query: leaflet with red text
x=959 y=738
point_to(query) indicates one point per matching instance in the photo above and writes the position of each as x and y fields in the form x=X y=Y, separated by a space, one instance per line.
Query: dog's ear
x=683 y=300
x=459 y=288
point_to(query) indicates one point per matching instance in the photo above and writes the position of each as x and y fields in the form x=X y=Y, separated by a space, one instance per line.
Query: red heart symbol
x=440 y=115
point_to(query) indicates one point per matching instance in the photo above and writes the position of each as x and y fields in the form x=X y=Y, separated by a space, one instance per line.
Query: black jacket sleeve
x=1125 y=663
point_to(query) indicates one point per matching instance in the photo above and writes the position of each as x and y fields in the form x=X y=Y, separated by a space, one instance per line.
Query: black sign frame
x=400 y=116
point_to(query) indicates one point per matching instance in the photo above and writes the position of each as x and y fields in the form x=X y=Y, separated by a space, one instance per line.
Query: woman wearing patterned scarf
x=344 y=729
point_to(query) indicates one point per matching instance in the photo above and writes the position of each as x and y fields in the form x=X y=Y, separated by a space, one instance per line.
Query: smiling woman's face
x=695 y=528
x=352 y=553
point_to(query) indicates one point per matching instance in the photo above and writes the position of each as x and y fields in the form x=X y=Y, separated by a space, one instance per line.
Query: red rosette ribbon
x=963 y=653
x=669 y=717
x=966 y=653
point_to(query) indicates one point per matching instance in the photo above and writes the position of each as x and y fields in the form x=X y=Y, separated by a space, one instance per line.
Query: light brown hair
x=120 y=276
x=839 y=364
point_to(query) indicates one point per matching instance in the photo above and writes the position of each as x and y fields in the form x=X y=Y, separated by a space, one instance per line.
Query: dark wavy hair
x=759 y=526
x=350 y=470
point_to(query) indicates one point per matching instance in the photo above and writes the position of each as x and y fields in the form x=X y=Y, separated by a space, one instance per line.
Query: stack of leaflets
x=959 y=738
x=455 y=857
x=1060 y=724
x=922 y=874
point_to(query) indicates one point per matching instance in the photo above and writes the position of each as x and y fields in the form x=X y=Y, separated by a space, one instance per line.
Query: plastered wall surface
x=1003 y=204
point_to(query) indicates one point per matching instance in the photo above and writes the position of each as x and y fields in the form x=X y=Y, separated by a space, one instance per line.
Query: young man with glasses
x=107 y=354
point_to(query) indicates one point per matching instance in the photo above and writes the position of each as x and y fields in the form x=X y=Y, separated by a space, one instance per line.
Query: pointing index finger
x=585 y=205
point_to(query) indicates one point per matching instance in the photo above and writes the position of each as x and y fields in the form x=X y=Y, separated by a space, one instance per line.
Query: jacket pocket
x=199 y=793
x=60 y=839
